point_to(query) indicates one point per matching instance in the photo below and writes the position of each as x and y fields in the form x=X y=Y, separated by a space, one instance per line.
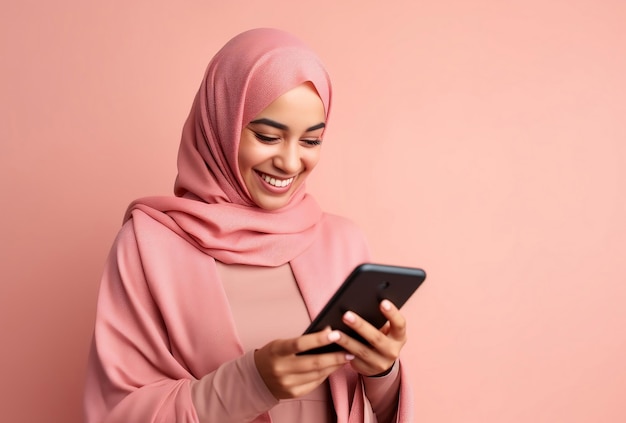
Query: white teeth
x=277 y=182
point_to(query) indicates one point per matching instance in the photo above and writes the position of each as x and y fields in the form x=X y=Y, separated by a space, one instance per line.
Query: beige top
x=271 y=295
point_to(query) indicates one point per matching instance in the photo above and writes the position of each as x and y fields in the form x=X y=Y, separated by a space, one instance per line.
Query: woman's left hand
x=385 y=344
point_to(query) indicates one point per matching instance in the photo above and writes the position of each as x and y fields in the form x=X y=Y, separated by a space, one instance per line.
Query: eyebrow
x=284 y=127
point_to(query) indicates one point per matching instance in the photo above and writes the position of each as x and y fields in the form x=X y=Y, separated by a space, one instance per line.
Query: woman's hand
x=288 y=375
x=385 y=344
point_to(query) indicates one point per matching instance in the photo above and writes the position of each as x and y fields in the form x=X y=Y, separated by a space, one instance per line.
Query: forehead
x=300 y=104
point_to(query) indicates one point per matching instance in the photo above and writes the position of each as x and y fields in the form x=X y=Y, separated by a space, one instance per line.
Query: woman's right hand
x=288 y=375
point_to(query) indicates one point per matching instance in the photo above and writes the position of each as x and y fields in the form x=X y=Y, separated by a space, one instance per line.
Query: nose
x=288 y=158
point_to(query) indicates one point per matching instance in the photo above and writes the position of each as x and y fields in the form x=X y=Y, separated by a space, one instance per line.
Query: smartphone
x=361 y=293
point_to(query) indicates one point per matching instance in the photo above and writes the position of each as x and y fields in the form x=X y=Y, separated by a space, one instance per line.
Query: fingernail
x=349 y=357
x=349 y=316
x=334 y=336
x=386 y=305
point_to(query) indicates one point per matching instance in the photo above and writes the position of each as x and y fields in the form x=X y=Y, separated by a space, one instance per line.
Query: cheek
x=245 y=157
x=313 y=158
x=243 y=164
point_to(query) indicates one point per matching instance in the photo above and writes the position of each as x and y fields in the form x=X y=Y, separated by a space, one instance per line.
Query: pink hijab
x=213 y=209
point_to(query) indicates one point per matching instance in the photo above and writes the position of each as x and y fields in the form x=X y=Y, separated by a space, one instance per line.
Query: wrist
x=386 y=372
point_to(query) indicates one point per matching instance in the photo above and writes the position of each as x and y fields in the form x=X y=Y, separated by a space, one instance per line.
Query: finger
x=386 y=328
x=378 y=340
x=313 y=367
x=361 y=326
x=322 y=365
x=286 y=347
x=371 y=359
x=395 y=319
x=367 y=359
x=312 y=341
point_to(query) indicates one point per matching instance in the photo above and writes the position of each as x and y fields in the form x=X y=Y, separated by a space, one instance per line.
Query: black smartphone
x=362 y=292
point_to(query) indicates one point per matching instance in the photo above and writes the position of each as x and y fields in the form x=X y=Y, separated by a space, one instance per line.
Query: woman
x=205 y=295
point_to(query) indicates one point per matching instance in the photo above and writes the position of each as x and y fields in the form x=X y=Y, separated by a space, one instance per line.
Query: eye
x=264 y=138
x=313 y=142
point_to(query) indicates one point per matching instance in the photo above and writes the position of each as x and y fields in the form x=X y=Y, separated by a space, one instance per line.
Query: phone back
x=362 y=292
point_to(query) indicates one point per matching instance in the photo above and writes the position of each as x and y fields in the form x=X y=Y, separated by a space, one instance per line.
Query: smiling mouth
x=280 y=183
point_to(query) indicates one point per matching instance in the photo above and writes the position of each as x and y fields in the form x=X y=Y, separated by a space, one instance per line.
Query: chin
x=270 y=202
x=272 y=206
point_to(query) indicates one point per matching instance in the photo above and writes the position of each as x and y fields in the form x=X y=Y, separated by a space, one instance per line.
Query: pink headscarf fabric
x=244 y=77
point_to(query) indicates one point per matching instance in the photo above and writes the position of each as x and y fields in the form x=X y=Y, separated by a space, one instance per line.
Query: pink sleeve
x=382 y=393
x=133 y=374
x=234 y=392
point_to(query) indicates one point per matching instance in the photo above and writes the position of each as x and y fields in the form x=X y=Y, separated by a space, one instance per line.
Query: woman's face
x=281 y=146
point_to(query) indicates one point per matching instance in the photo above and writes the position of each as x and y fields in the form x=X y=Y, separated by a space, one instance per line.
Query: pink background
x=482 y=140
